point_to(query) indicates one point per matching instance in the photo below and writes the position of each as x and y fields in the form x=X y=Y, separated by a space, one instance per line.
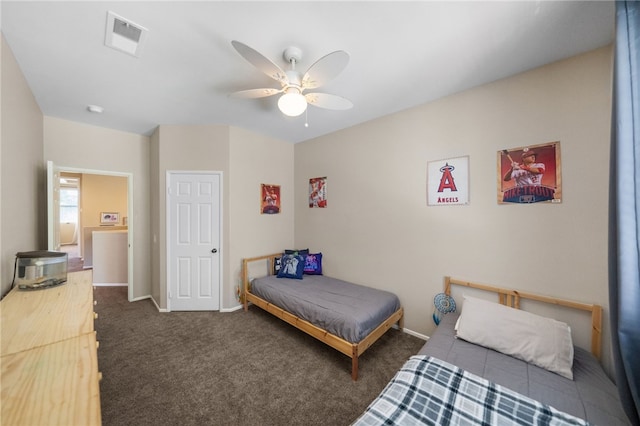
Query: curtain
x=624 y=217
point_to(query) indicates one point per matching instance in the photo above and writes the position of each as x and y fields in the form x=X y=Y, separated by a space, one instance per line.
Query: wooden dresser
x=48 y=355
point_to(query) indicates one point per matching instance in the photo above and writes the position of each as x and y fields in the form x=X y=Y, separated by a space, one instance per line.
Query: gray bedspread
x=348 y=310
x=591 y=395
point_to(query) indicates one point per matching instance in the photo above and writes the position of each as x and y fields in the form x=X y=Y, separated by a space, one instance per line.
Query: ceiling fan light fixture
x=292 y=103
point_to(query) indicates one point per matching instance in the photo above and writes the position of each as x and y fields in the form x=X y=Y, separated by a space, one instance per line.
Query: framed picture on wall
x=318 y=192
x=448 y=182
x=269 y=199
x=109 y=218
x=530 y=174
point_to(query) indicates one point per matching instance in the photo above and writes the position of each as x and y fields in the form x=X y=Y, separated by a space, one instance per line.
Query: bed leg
x=401 y=322
x=354 y=368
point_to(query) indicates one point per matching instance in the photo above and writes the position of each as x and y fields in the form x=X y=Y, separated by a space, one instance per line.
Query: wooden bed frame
x=352 y=350
x=512 y=298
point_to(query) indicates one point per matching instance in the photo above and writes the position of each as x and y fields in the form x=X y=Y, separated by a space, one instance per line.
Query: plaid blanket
x=428 y=391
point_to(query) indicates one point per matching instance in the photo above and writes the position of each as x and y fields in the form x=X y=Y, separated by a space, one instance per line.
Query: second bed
x=346 y=316
x=454 y=381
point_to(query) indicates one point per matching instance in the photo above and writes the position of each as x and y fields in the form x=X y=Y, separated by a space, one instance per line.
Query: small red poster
x=318 y=192
x=269 y=199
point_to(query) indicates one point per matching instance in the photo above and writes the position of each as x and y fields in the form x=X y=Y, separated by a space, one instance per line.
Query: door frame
x=168 y=176
x=130 y=224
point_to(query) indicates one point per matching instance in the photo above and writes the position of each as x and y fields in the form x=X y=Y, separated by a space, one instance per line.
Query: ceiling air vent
x=124 y=35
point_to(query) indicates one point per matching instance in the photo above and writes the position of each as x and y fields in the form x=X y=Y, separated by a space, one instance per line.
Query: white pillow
x=541 y=341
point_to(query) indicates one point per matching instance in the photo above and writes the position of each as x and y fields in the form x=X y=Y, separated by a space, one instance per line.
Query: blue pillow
x=302 y=252
x=313 y=264
x=292 y=266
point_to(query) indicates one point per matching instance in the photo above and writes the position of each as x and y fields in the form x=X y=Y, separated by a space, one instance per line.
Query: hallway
x=74 y=261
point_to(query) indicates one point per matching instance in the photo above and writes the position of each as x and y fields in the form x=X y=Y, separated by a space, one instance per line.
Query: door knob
x=214 y=250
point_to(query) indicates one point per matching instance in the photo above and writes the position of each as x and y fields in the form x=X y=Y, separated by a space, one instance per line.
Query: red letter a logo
x=446 y=181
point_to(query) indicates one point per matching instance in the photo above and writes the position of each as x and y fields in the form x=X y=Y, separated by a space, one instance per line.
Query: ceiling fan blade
x=325 y=100
x=325 y=69
x=259 y=61
x=255 y=93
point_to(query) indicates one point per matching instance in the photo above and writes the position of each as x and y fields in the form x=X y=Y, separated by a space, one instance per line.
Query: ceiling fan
x=294 y=102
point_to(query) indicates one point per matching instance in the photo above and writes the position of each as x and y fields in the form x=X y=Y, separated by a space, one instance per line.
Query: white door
x=53 y=207
x=193 y=227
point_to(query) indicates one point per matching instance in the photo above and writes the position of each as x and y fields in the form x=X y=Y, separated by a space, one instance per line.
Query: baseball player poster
x=530 y=174
x=448 y=182
x=269 y=199
x=318 y=192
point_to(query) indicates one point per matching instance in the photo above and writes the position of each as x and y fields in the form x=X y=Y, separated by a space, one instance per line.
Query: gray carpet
x=240 y=368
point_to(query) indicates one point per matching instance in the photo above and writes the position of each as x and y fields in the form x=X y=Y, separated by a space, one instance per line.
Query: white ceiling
x=403 y=54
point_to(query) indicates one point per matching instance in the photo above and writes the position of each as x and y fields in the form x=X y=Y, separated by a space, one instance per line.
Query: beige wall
x=185 y=148
x=22 y=176
x=377 y=229
x=154 y=219
x=257 y=159
x=99 y=150
x=102 y=193
x=2 y=253
x=246 y=159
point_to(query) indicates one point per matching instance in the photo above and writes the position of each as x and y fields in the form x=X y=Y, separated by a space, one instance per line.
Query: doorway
x=100 y=194
x=70 y=220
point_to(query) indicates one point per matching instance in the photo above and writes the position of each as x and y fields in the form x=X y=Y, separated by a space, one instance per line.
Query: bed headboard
x=512 y=298
x=268 y=260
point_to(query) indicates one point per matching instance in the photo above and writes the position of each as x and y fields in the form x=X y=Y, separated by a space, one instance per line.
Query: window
x=68 y=200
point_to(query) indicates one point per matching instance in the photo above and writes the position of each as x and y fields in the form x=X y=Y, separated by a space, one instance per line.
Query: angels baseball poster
x=530 y=174
x=448 y=182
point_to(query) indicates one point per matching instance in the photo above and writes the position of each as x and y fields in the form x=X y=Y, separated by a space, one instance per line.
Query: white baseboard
x=157 y=306
x=110 y=284
x=413 y=333
x=233 y=309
